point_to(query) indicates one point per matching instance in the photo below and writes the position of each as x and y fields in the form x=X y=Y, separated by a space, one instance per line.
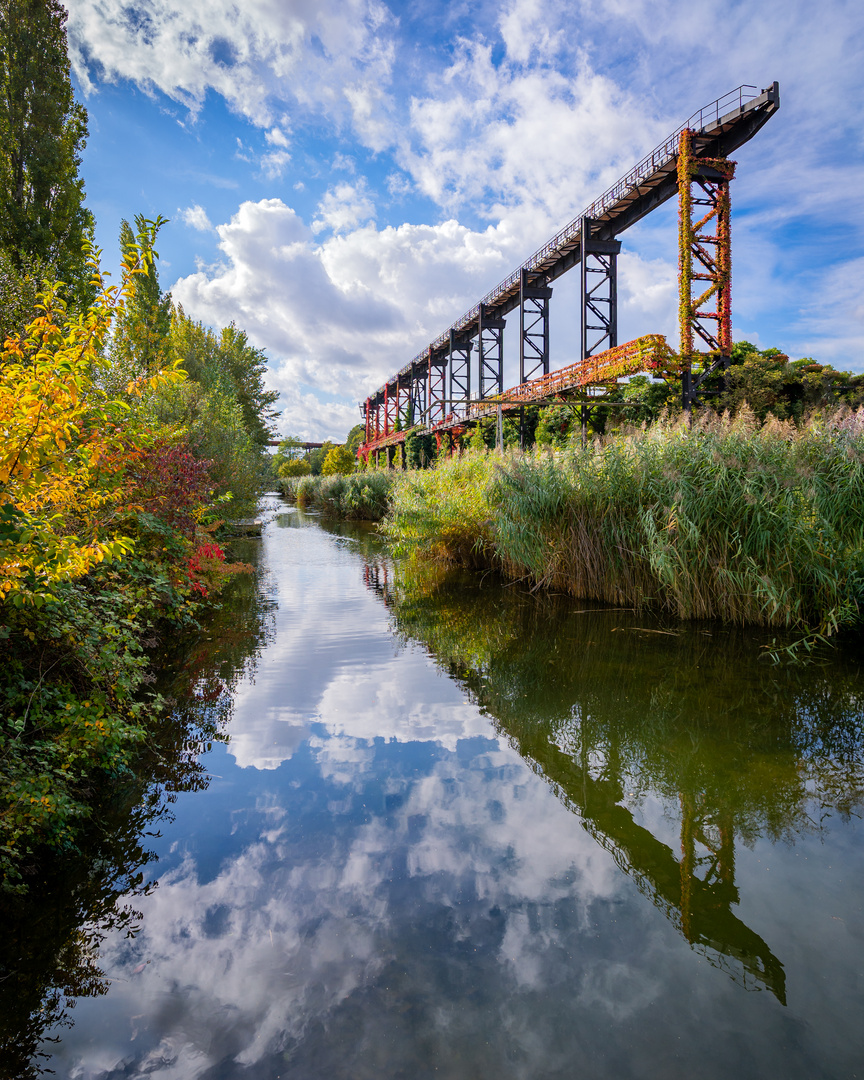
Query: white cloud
x=196 y=218
x=340 y=314
x=329 y=55
x=344 y=207
x=274 y=164
x=277 y=137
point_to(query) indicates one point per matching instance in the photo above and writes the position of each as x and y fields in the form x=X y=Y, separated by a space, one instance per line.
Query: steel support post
x=437 y=388
x=460 y=369
x=599 y=277
x=367 y=420
x=704 y=266
x=418 y=395
x=388 y=410
x=533 y=329
x=490 y=341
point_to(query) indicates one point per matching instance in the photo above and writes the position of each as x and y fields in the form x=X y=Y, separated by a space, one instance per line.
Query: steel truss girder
x=533 y=329
x=598 y=272
x=490 y=346
x=704 y=265
x=460 y=368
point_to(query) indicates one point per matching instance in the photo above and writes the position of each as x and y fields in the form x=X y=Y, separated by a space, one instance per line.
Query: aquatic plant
x=363 y=496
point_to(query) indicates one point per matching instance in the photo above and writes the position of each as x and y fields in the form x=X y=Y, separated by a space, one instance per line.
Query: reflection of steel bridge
x=696 y=892
x=443 y=388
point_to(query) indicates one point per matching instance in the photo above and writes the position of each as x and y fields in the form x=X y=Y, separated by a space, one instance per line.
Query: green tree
x=229 y=361
x=339 y=460
x=42 y=133
x=317 y=456
x=142 y=330
x=356 y=436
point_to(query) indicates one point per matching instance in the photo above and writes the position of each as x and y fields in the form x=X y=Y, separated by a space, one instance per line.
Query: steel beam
x=533 y=329
x=490 y=346
x=599 y=280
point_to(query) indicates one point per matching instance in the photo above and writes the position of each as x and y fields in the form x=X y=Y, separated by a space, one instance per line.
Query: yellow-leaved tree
x=64 y=443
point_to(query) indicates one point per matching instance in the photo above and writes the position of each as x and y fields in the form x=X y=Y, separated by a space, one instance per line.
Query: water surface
x=461 y=830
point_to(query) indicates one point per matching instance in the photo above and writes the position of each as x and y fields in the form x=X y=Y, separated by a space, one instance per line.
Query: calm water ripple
x=462 y=831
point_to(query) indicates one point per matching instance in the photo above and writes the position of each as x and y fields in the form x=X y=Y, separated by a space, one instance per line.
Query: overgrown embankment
x=726 y=521
x=109 y=504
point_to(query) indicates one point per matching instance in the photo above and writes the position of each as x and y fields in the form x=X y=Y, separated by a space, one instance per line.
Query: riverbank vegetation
x=728 y=520
x=129 y=433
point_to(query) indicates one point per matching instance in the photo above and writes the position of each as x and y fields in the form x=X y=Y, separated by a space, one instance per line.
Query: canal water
x=420 y=824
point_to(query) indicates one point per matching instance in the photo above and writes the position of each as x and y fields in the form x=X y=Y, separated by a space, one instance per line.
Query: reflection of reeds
x=723 y=521
x=358 y=496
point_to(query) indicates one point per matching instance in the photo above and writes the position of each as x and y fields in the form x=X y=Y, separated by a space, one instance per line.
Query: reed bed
x=727 y=520
x=358 y=496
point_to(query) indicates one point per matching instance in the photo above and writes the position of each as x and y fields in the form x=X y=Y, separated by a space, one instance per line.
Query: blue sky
x=345 y=177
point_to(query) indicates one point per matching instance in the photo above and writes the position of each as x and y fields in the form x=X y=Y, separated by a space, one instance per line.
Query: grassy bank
x=727 y=521
x=363 y=496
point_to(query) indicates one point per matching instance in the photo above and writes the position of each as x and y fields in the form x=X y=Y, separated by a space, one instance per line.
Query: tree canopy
x=43 y=131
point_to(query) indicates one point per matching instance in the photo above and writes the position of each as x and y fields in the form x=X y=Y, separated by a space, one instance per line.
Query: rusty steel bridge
x=444 y=390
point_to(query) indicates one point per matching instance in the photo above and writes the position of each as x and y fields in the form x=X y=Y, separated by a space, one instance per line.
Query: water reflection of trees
x=614 y=710
x=49 y=949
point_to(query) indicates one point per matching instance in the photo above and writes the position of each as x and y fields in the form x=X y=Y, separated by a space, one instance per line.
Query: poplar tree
x=43 y=130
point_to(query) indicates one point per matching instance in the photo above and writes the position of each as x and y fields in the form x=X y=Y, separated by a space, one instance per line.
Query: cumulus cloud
x=337 y=315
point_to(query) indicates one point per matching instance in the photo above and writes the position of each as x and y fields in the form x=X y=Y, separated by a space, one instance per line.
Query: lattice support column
x=533 y=329
x=389 y=409
x=460 y=369
x=403 y=402
x=418 y=395
x=437 y=388
x=704 y=266
x=490 y=339
x=598 y=271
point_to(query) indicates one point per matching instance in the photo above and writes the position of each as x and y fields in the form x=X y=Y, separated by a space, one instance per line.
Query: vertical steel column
x=704 y=257
x=460 y=369
x=533 y=329
x=367 y=420
x=490 y=339
x=418 y=405
x=387 y=427
x=437 y=387
x=598 y=271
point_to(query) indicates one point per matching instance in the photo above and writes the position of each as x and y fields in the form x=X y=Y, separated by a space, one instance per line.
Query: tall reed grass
x=726 y=520
x=359 y=496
